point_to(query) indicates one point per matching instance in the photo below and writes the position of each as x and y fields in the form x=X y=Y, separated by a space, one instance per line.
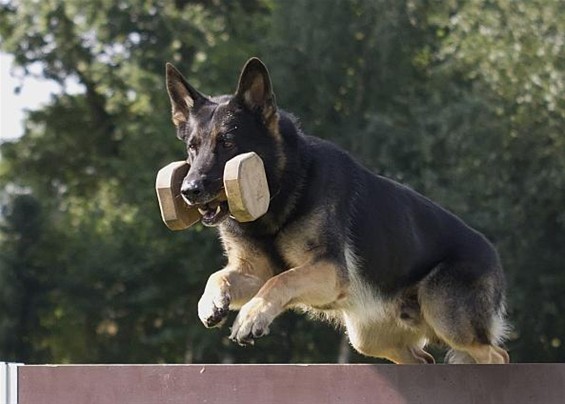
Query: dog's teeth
x=218 y=209
x=202 y=211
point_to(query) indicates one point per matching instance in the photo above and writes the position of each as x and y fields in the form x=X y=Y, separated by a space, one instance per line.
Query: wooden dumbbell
x=245 y=186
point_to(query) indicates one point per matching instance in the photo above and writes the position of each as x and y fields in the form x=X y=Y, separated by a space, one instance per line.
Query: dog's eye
x=192 y=148
x=227 y=141
x=228 y=144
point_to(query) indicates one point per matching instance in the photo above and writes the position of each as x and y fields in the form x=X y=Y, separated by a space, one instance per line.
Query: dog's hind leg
x=487 y=354
x=478 y=354
x=464 y=307
x=414 y=355
x=396 y=346
x=502 y=352
x=455 y=356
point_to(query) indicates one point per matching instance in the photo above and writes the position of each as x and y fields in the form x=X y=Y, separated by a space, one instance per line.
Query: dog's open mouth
x=213 y=212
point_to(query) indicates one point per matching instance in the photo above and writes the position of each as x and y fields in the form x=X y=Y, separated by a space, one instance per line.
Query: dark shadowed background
x=460 y=99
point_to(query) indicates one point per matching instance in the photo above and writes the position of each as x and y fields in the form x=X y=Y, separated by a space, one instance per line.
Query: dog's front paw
x=252 y=321
x=213 y=309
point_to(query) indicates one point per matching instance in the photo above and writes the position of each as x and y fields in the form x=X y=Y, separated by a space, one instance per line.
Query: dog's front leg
x=229 y=288
x=319 y=284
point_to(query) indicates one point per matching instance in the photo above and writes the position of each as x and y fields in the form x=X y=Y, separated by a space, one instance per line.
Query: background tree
x=459 y=99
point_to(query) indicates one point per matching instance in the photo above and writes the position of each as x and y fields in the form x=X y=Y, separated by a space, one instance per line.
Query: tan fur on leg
x=414 y=355
x=503 y=353
x=487 y=354
x=233 y=286
x=227 y=289
x=315 y=285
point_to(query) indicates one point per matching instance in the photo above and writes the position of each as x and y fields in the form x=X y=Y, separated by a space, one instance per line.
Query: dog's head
x=215 y=129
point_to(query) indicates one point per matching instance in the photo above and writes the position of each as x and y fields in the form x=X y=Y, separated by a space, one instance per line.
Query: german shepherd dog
x=393 y=268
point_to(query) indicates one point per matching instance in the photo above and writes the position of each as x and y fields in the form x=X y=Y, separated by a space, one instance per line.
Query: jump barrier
x=282 y=384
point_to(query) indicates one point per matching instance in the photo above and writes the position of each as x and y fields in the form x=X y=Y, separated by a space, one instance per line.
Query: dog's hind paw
x=252 y=322
x=213 y=311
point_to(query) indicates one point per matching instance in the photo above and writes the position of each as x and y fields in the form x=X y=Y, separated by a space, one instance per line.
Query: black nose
x=192 y=189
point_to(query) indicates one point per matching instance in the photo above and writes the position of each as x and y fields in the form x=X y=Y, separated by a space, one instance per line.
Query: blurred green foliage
x=461 y=99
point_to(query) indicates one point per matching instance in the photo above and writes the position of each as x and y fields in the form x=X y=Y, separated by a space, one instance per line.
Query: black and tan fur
x=395 y=269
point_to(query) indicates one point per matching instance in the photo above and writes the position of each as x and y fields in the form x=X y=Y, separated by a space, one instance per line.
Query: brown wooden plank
x=308 y=384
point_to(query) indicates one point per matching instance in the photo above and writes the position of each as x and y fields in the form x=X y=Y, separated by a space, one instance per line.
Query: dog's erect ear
x=254 y=89
x=183 y=96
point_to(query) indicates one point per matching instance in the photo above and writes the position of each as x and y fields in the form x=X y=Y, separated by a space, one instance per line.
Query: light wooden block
x=246 y=187
x=175 y=212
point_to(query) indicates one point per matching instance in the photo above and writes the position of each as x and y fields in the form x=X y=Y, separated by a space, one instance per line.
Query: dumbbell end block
x=246 y=187
x=176 y=214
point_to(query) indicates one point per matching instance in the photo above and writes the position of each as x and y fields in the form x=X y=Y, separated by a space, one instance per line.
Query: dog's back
x=390 y=219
